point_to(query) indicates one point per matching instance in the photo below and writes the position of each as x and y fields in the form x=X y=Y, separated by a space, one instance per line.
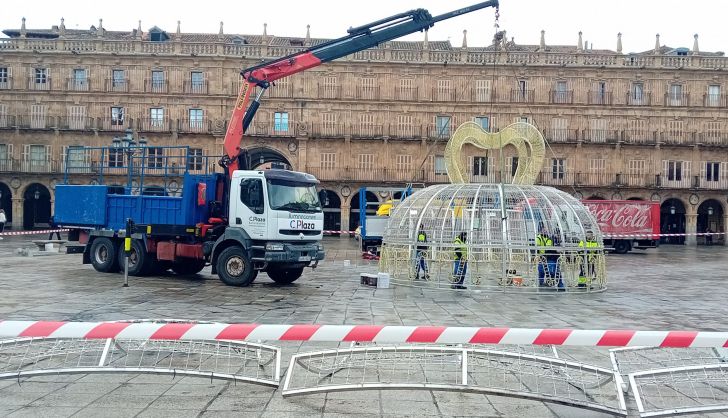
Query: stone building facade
x=648 y=126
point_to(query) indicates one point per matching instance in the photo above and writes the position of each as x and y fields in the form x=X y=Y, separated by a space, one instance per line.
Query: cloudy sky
x=638 y=20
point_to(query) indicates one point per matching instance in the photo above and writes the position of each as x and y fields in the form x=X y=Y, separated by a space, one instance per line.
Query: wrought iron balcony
x=643 y=99
x=602 y=98
x=561 y=97
x=116 y=85
x=522 y=96
x=407 y=93
x=77 y=84
x=677 y=100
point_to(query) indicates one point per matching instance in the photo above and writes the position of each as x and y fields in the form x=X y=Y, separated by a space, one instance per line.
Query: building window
x=77 y=117
x=561 y=94
x=480 y=166
x=558 y=168
x=444 y=91
x=6 y=152
x=368 y=88
x=3 y=116
x=4 y=78
x=328 y=160
x=196 y=119
x=712 y=171
x=36 y=158
x=598 y=130
x=597 y=165
x=514 y=165
x=38 y=116
x=197 y=82
x=674 y=170
x=156 y=117
x=713 y=98
x=117 y=116
x=366 y=162
x=482 y=90
x=523 y=119
x=559 y=129
x=483 y=122
x=404 y=162
x=440 y=166
x=442 y=126
x=329 y=124
x=118 y=79
x=638 y=93
x=636 y=167
x=522 y=89
x=330 y=87
x=158 y=81
x=676 y=95
x=80 y=79
x=407 y=90
x=194 y=159
x=116 y=157
x=155 y=157
x=404 y=125
x=41 y=75
x=280 y=122
x=251 y=195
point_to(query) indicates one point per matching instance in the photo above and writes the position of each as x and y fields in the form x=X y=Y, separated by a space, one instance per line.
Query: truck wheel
x=285 y=275
x=140 y=263
x=621 y=247
x=188 y=267
x=234 y=267
x=103 y=255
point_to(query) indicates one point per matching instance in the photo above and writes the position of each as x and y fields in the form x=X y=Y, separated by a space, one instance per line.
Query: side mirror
x=323 y=197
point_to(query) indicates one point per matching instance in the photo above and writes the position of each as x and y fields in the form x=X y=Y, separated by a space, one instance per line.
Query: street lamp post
x=36 y=196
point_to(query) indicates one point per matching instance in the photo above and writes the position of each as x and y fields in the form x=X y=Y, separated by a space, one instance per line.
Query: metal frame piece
x=220 y=359
x=458 y=369
x=681 y=390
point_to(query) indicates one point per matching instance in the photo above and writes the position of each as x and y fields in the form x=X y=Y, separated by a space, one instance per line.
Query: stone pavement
x=668 y=288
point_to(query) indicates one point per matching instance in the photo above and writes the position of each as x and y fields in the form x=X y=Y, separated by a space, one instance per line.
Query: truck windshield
x=295 y=197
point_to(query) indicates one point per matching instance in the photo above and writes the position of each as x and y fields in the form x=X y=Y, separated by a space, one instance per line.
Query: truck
x=627 y=224
x=241 y=221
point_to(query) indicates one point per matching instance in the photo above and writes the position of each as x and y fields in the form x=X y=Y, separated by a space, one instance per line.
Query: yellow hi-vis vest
x=421 y=237
x=461 y=248
x=543 y=241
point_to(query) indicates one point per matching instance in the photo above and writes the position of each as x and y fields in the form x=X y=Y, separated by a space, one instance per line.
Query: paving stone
x=44 y=411
x=181 y=402
x=97 y=412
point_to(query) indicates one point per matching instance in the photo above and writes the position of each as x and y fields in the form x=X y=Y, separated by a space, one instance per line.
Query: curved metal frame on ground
x=465 y=357
x=672 y=372
x=112 y=347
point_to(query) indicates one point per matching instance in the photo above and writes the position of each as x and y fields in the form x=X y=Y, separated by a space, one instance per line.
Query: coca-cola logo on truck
x=621 y=217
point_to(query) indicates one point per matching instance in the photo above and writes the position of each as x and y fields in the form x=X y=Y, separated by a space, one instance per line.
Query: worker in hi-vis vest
x=421 y=255
x=460 y=266
x=588 y=266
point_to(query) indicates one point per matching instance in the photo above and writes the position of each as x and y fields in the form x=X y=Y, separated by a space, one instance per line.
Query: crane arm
x=358 y=39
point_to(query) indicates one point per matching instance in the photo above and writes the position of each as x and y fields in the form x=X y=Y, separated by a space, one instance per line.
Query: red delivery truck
x=627 y=224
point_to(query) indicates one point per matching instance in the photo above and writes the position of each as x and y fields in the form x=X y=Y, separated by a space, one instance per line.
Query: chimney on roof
x=101 y=30
x=178 y=28
x=308 y=35
x=696 y=50
x=619 y=43
x=579 y=45
x=465 y=38
x=657 y=43
x=220 y=32
x=22 y=29
x=265 y=29
x=426 y=42
x=542 y=45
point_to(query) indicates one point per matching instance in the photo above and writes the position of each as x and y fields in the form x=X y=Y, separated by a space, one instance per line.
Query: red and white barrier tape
x=339 y=232
x=361 y=333
x=39 y=232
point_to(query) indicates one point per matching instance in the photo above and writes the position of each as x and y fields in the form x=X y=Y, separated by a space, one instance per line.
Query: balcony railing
x=440 y=94
x=153 y=125
x=435 y=132
x=644 y=99
x=407 y=93
x=674 y=181
x=482 y=95
x=715 y=100
x=720 y=183
x=77 y=84
x=155 y=86
x=328 y=130
x=556 y=135
x=195 y=87
x=405 y=131
x=33 y=84
x=640 y=137
x=677 y=138
x=38 y=166
x=367 y=131
x=603 y=98
x=712 y=138
x=117 y=85
x=562 y=97
x=596 y=136
x=329 y=92
x=281 y=90
x=675 y=100
x=522 y=96
x=6 y=83
x=193 y=126
x=367 y=93
x=272 y=129
x=7 y=165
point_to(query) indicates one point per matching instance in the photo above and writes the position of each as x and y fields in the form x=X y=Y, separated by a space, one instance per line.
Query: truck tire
x=621 y=246
x=234 y=267
x=140 y=263
x=188 y=267
x=285 y=275
x=103 y=255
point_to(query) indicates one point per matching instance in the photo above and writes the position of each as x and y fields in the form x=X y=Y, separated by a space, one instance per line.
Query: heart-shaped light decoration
x=527 y=140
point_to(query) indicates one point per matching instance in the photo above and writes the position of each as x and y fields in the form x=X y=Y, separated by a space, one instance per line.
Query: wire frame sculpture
x=494 y=237
x=462 y=369
x=526 y=138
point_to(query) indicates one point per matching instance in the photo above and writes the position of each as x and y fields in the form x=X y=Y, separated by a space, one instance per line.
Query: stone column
x=691 y=227
x=17 y=213
x=345 y=209
x=724 y=231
